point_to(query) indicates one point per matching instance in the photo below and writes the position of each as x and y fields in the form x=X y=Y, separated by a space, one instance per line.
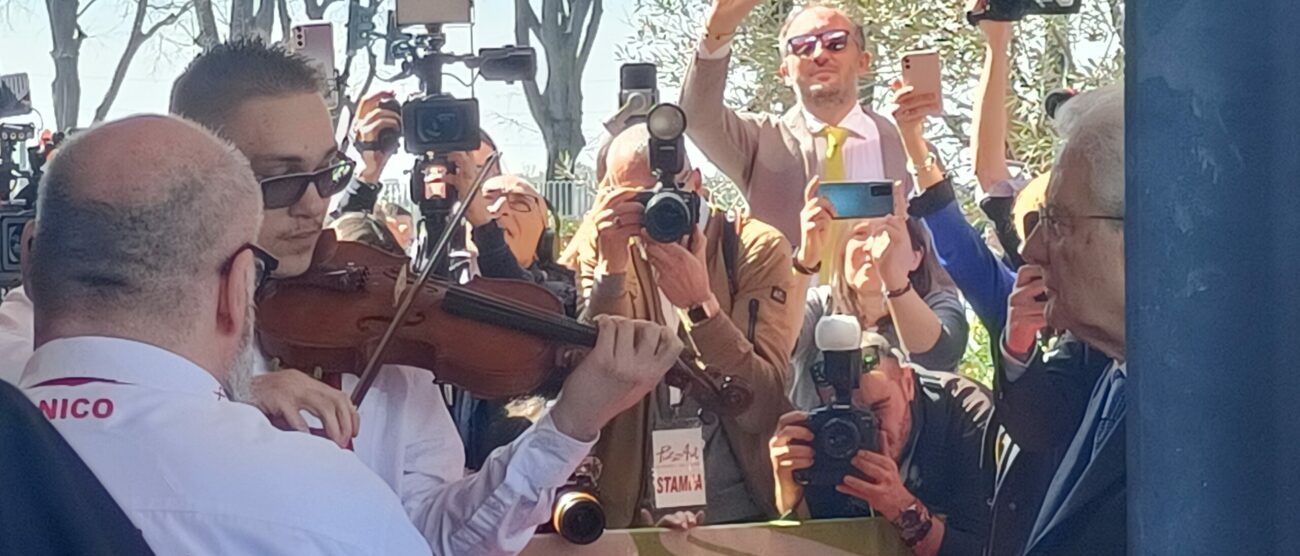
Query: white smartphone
x=922 y=71
x=315 y=41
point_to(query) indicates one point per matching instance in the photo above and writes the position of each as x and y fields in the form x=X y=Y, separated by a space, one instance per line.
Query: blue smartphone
x=859 y=199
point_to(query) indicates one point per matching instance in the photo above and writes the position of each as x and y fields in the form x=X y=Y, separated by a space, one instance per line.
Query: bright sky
x=25 y=45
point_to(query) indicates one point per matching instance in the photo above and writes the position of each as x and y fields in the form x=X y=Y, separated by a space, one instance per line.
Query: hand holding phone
x=921 y=72
x=859 y=199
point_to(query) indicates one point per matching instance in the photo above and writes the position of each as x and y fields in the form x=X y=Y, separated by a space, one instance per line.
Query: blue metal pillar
x=1213 y=276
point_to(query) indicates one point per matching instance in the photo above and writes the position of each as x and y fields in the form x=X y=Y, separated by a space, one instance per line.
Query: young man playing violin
x=267 y=103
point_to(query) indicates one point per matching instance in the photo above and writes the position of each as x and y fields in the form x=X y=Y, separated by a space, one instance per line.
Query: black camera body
x=441 y=124
x=839 y=431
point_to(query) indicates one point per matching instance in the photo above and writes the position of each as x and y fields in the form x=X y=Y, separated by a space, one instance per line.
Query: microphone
x=839 y=337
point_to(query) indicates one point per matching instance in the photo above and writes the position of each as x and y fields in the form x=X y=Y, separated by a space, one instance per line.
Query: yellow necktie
x=833 y=170
x=833 y=166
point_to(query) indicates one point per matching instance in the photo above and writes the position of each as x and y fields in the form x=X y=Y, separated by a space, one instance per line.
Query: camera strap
x=731 y=249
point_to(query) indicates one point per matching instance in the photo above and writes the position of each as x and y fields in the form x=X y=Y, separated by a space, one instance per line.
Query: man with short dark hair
x=284 y=128
x=142 y=278
x=929 y=478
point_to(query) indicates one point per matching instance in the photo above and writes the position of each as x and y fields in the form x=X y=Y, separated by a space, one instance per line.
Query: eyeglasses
x=264 y=264
x=283 y=191
x=517 y=202
x=834 y=40
x=1056 y=220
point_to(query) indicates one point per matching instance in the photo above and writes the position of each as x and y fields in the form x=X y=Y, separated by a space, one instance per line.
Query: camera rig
x=435 y=123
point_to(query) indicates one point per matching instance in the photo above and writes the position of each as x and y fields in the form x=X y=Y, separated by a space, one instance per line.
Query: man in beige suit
x=827 y=134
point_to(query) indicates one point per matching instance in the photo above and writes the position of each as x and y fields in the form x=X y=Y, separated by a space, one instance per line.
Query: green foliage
x=977 y=363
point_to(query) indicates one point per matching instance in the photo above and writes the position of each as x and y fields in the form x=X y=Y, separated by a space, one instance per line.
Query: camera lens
x=667 y=218
x=838 y=439
x=578 y=517
x=666 y=122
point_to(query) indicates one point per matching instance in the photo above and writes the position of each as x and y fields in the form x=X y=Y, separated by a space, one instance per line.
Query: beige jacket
x=765 y=281
x=770 y=158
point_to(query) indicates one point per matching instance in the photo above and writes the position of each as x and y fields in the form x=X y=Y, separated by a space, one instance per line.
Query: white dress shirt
x=863 y=158
x=408 y=438
x=15 y=334
x=199 y=474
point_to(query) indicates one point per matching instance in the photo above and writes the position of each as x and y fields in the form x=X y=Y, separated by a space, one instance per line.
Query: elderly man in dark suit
x=827 y=134
x=1075 y=257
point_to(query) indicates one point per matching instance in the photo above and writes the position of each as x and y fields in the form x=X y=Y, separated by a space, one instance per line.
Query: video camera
x=839 y=429
x=434 y=123
x=671 y=212
x=17 y=186
x=1015 y=10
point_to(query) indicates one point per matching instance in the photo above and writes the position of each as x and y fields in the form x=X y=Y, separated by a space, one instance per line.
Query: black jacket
x=1040 y=412
x=50 y=502
x=944 y=464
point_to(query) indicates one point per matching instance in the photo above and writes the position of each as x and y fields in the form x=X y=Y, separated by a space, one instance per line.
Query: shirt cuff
x=548 y=457
x=1012 y=367
x=1008 y=187
x=722 y=51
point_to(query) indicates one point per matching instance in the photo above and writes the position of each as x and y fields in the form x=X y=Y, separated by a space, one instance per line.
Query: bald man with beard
x=142 y=276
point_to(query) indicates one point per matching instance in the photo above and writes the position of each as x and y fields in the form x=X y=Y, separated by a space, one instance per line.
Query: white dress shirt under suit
x=199 y=474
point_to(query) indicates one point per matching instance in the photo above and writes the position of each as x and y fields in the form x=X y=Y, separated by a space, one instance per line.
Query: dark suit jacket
x=1040 y=412
x=1093 y=519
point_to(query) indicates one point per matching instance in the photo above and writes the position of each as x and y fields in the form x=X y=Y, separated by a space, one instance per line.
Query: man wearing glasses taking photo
x=266 y=102
x=828 y=133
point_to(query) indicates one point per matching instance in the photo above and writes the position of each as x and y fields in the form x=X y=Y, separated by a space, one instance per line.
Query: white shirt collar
x=117 y=360
x=856 y=121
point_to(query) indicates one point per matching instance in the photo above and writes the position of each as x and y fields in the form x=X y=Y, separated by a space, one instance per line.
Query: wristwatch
x=913 y=523
x=698 y=314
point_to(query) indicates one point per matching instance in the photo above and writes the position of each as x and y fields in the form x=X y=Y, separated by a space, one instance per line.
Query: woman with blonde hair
x=884 y=272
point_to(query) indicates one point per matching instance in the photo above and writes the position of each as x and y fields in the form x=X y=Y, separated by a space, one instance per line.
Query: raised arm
x=728 y=139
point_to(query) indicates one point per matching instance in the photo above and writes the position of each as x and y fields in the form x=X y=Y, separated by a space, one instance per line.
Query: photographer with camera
x=659 y=252
x=828 y=133
x=923 y=470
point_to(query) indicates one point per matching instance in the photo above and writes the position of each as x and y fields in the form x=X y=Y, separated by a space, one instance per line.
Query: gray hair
x=1092 y=124
x=112 y=260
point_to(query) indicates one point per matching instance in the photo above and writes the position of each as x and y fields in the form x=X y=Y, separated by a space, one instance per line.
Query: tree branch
x=316 y=9
x=169 y=20
x=597 y=11
x=83 y=9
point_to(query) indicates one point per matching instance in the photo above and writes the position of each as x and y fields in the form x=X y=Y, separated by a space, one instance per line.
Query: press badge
x=678 y=468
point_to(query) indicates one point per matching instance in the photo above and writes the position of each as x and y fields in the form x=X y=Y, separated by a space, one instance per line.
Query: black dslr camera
x=577 y=515
x=671 y=212
x=840 y=429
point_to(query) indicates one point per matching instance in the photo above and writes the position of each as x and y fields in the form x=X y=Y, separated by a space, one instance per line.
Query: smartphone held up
x=859 y=199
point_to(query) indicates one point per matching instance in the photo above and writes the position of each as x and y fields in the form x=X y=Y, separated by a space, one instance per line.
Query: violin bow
x=440 y=250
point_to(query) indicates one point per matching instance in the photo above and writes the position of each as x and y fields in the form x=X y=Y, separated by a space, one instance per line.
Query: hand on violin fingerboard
x=630 y=358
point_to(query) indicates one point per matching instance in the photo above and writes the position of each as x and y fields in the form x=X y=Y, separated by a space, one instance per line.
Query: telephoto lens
x=578 y=516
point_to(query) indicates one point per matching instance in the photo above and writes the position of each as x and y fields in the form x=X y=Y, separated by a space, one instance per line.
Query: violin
x=496 y=338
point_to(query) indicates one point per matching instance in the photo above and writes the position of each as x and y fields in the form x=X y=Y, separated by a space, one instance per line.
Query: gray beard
x=239 y=374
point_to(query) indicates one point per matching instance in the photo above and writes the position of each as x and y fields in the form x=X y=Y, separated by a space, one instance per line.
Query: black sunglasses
x=283 y=191
x=834 y=40
x=264 y=264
